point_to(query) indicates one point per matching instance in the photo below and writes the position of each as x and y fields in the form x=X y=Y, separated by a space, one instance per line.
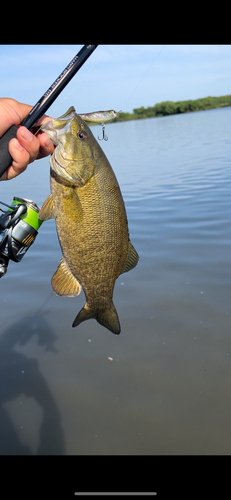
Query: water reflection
x=29 y=418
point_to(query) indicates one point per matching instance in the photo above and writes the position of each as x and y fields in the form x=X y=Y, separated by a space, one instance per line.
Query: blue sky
x=120 y=77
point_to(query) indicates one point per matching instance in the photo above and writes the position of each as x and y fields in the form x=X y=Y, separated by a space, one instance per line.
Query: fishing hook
x=105 y=137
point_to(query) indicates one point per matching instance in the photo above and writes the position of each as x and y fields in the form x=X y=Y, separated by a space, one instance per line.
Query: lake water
x=162 y=387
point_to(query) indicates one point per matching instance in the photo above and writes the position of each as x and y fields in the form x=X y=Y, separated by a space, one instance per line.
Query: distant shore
x=166 y=108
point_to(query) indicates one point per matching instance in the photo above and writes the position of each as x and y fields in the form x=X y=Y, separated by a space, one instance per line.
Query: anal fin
x=48 y=209
x=131 y=259
x=63 y=282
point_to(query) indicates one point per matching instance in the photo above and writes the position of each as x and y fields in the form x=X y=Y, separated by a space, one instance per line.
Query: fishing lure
x=105 y=137
x=100 y=117
x=95 y=117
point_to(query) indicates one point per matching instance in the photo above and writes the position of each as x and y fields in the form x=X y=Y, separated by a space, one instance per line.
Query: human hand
x=27 y=147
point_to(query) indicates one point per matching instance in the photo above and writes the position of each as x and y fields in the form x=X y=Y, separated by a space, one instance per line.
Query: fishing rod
x=43 y=104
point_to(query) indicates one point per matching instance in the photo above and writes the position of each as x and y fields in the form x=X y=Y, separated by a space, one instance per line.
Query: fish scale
x=91 y=220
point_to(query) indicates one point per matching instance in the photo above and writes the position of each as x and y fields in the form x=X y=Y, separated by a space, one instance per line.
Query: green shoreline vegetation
x=166 y=108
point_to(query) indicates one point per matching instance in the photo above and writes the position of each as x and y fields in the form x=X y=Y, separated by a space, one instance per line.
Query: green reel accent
x=31 y=216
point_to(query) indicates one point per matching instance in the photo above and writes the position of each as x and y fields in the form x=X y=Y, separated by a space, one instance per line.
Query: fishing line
x=76 y=85
x=143 y=75
x=45 y=301
x=89 y=70
x=85 y=76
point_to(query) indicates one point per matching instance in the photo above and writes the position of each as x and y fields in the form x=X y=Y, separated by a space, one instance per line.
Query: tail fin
x=107 y=317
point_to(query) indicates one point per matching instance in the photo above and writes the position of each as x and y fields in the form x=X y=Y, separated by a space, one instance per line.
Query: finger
x=46 y=145
x=20 y=160
x=29 y=142
x=13 y=111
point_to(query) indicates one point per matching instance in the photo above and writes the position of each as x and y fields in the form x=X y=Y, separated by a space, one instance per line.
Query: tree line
x=166 y=108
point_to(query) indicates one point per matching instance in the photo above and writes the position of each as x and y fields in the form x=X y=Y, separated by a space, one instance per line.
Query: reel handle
x=5 y=157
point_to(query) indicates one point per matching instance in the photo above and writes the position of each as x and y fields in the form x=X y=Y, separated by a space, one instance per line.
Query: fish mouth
x=56 y=130
x=59 y=126
x=50 y=131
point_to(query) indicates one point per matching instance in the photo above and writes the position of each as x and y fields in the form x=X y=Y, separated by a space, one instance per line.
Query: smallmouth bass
x=91 y=220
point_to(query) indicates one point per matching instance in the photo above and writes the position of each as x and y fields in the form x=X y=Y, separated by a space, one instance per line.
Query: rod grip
x=5 y=157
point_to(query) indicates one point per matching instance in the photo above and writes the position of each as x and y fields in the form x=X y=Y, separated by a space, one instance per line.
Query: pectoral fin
x=131 y=259
x=48 y=209
x=63 y=282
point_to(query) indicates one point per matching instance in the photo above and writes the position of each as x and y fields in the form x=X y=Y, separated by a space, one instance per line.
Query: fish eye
x=81 y=135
